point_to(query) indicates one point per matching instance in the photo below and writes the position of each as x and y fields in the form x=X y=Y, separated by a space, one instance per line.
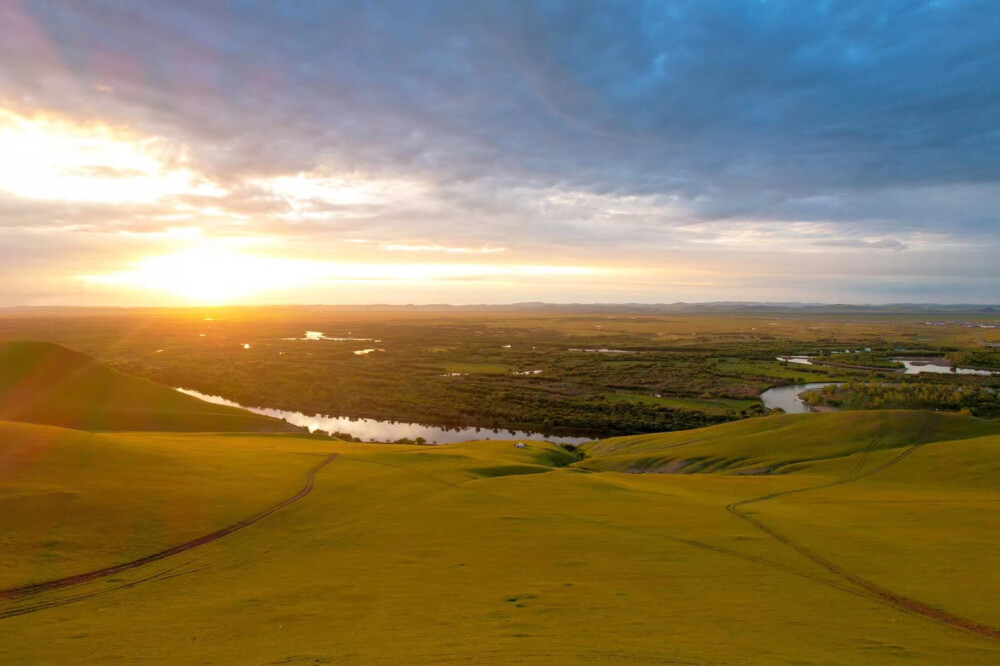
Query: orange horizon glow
x=213 y=274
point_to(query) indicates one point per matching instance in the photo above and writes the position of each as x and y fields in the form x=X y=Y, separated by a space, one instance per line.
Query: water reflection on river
x=319 y=335
x=373 y=430
x=787 y=397
x=802 y=360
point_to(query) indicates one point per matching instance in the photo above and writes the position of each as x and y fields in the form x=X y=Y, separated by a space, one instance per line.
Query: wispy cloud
x=406 y=247
x=881 y=244
x=572 y=132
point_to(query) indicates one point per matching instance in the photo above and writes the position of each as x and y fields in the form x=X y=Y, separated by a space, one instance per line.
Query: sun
x=209 y=274
x=219 y=272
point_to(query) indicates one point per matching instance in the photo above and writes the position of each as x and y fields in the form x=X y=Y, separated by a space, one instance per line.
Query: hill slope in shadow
x=49 y=384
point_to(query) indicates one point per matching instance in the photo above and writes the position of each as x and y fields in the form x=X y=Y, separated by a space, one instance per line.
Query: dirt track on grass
x=883 y=594
x=19 y=593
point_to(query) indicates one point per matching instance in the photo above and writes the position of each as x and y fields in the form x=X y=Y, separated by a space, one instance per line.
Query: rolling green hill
x=843 y=538
x=48 y=384
x=778 y=444
x=73 y=501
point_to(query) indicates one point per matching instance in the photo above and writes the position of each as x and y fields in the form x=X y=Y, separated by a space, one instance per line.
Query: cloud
x=579 y=129
x=407 y=247
x=881 y=244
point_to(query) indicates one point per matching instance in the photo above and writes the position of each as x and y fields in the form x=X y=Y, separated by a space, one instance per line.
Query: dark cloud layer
x=880 y=119
x=623 y=95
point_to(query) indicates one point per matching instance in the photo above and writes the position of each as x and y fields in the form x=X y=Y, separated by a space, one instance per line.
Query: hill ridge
x=48 y=384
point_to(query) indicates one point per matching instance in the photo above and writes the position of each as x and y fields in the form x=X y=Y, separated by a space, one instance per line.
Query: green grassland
x=477 y=368
x=707 y=405
x=773 y=443
x=72 y=501
x=843 y=538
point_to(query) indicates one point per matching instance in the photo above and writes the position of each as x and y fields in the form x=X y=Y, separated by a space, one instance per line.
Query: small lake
x=938 y=366
x=802 y=360
x=373 y=430
x=319 y=335
x=787 y=397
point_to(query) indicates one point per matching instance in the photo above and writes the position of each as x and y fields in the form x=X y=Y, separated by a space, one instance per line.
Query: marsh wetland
x=579 y=374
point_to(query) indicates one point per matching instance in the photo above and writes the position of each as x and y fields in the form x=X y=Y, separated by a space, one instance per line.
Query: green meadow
x=874 y=543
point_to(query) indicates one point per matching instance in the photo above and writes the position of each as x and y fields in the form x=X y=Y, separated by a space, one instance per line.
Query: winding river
x=372 y=430
x=787 y=397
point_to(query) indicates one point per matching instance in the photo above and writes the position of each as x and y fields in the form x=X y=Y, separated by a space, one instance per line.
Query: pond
x=373 y=430
x=914 y=366
x=802 y=360
x=319 y=335
x=787 y=397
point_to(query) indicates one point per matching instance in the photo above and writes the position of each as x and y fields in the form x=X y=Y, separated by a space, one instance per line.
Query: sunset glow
x=215 y=274
x=50 y=157
x=610 y=159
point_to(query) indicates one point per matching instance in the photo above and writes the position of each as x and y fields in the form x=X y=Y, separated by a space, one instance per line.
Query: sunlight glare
x=214 y=274
x=49 y=158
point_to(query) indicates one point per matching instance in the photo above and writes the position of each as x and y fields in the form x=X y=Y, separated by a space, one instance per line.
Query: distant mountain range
x=721 y=307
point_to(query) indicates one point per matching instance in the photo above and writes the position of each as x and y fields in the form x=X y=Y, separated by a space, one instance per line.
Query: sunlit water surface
x=373 y=430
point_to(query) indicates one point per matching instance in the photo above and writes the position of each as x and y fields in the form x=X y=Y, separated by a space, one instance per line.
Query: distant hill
x=48 y=384
x=779 y=444
x=636 y=309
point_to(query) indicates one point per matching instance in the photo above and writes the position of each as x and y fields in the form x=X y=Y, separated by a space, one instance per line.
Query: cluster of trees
x=969 y=399
x=861 y=359
x=568 y=397
x=976 y=358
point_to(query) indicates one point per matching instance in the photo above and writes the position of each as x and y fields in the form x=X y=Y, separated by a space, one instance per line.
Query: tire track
x=883 y=594
x=27 y=591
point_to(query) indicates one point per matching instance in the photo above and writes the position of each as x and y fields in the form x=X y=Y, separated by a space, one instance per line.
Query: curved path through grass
x=70 y=581
x=883 y=594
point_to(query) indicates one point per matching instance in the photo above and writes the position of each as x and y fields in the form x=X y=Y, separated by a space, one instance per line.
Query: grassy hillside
x=48 y=384
x=778 y=444
x=73 y=501
x=484 y=553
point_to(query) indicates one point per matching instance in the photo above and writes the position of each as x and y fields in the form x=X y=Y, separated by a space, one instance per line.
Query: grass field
x=484 y=553
x=72 y=501
x=707 y=405
x=476 y=368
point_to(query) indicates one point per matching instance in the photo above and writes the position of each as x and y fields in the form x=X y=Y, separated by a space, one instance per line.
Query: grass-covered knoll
x=923 y=528
x=73 y=501
x=410 y=554
x=769 y=444
x=48 y=384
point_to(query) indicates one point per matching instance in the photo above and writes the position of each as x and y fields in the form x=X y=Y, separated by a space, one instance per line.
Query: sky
x=191 y=152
